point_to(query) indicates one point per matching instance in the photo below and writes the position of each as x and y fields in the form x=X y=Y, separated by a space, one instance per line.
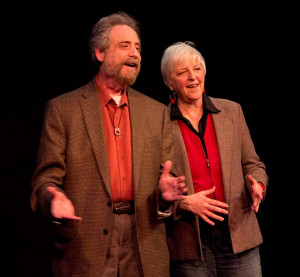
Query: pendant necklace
x=117 y=128
x=117 y=131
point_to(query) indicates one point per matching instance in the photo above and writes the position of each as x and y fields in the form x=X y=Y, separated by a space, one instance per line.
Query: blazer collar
x=138 y=128
x=92 y=116
x=224 y=128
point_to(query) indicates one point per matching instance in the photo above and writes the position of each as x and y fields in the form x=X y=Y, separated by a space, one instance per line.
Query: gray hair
x=175 y=54
x=99 y=37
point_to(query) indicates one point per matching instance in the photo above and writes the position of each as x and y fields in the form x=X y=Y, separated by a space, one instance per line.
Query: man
x=98 y=166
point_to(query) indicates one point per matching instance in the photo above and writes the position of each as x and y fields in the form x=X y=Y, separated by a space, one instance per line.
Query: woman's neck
x=192 y=111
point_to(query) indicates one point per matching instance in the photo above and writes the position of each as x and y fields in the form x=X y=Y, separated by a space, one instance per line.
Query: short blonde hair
x=176 y=53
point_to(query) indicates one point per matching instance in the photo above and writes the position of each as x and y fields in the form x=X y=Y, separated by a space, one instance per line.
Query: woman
x=214 y=232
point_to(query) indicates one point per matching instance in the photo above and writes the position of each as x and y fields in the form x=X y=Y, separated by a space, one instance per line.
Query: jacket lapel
x=138 y=127
x=92 y=116
x=223 y=124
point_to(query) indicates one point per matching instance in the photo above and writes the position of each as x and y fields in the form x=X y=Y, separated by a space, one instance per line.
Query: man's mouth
x=132 y=64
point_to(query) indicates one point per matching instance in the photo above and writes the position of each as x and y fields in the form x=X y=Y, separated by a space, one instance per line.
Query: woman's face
x=187 y=80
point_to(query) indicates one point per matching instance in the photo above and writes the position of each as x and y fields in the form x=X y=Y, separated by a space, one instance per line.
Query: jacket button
x=108 y=204
x=105 y=232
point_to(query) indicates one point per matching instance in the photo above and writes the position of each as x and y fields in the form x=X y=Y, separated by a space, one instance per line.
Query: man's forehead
x=120 y=33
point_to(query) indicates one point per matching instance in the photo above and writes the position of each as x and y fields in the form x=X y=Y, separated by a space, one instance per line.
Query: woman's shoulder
x=222 y=103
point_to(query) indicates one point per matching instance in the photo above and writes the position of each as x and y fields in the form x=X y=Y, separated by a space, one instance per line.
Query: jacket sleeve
x=167 y=154
x=251 y=162
x=50 y=168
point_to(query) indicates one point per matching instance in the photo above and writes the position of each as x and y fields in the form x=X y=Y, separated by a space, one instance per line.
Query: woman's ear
x=99 y=54
x=169 y=85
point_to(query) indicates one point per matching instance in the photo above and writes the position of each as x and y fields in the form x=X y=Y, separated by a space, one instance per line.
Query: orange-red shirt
x=119 y=148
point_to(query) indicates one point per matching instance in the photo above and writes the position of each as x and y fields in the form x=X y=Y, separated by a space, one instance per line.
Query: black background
x=44 y=53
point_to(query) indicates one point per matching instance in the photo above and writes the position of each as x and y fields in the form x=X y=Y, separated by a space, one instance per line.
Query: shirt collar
x=105 y=98
x=208 y=107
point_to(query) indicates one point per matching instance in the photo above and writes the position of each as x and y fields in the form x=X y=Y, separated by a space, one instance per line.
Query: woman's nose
x=192 y=75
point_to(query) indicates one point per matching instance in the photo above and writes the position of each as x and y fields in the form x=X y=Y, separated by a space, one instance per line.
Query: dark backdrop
x=44 y=53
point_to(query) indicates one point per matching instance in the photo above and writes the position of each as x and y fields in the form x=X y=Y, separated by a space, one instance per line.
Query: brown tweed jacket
x=72 y=155
x=238 y=159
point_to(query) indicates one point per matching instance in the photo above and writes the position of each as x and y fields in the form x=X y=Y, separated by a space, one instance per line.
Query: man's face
x=122 y=60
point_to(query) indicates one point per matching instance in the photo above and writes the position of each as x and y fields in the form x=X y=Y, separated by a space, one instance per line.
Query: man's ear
x=99 y=54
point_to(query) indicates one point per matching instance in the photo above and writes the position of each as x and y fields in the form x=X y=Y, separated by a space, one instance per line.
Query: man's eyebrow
x=129 y=42
x=124 y=41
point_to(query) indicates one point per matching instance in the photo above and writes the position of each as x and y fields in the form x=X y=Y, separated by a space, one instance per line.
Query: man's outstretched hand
x=172 y=188
x=61 y=206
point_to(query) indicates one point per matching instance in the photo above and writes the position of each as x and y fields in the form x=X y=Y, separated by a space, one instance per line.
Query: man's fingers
x=181 y=179
x=179 y=196
x=167 y=167
x=56 y=193
x=75 y=217
x=52 y=190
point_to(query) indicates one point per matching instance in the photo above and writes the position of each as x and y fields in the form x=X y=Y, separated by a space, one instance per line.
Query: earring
x=172 y=96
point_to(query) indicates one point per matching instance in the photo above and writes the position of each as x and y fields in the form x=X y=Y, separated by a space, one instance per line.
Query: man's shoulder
x=143 y=98
x=74 y=94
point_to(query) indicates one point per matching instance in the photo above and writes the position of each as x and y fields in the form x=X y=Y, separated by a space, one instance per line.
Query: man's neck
x=111 y=85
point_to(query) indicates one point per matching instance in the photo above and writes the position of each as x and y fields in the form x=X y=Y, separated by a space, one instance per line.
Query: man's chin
x=130 y=80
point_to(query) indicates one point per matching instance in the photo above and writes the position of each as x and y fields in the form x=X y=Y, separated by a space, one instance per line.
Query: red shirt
x=205 y=168
x=119 y=148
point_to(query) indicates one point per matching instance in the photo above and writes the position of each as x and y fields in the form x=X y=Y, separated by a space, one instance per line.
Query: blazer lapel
x=138 y=127
x=92 y=115
x=224 y=129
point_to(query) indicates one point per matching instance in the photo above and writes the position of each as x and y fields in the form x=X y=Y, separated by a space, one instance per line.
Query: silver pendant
x=117 y=131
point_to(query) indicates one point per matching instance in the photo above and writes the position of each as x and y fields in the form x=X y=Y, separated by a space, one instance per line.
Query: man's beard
x=127 y=77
